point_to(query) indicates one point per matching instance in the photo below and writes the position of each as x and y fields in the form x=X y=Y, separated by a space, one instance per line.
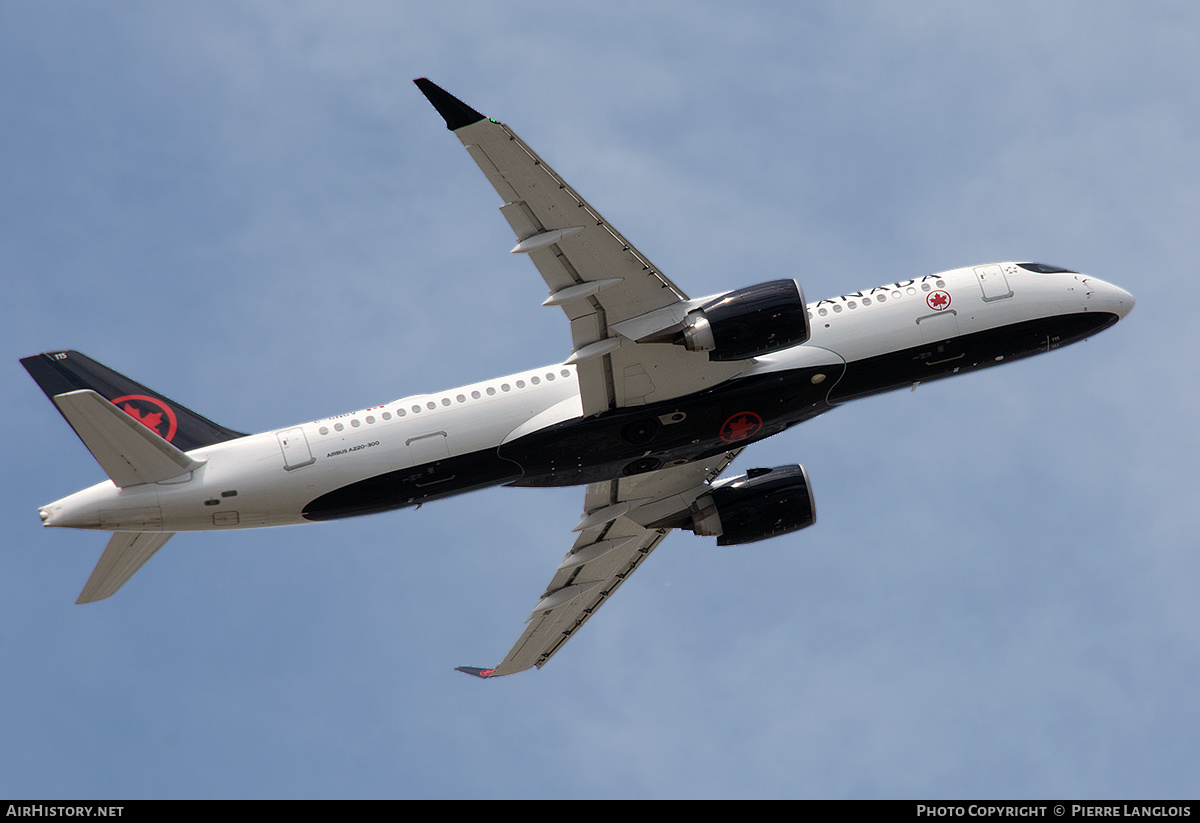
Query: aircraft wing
x=606 y=286
x=624 y=521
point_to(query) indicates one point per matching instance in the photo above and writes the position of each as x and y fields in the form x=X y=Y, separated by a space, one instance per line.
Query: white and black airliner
x=659 y=395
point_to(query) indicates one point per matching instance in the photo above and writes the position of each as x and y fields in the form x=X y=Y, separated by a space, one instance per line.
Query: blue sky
x=250 y=208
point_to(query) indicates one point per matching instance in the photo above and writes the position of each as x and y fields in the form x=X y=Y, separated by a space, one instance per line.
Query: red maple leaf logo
x=150 y=421
x=740 y=426
x=938 y=300
x=139 y=407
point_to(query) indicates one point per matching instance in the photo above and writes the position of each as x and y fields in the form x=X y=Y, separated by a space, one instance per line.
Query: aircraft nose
x=1116 y=300
x=1106 y=297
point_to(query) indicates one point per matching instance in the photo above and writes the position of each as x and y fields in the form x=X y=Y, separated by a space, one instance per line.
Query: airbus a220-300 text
x=659 y=395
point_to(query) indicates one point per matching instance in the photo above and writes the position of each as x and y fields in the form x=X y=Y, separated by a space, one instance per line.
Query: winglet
x=455 y=112
x=483 y=674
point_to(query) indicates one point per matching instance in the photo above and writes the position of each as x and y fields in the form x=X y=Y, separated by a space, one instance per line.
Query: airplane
x=659 y=395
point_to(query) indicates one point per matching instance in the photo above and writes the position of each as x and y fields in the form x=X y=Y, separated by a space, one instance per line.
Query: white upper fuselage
x=267 y=479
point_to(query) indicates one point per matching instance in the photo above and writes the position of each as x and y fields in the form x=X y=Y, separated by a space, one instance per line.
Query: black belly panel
x=414 y=485
x=968 y=352
x=645 y=438
x=639 y=439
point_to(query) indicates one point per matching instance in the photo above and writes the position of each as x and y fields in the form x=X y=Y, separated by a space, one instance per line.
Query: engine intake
x=748 y=322
x=759 y=504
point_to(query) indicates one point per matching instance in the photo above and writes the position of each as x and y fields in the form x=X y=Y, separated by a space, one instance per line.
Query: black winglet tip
x=455 y=112
x=482 y=674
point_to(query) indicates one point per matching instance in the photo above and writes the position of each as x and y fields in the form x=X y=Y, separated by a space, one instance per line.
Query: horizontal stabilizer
x=125 y=554
x=129 y=452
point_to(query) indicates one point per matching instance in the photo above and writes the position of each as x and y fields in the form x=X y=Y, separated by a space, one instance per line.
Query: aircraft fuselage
x=528 y=429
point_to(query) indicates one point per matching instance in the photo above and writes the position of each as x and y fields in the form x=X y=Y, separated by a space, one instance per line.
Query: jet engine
x=748 y=322
x=759 y=504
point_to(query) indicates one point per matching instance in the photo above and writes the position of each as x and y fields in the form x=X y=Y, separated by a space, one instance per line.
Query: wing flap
x=614 y=541
x=561 y=613
x=539 y=202
x=593 y=273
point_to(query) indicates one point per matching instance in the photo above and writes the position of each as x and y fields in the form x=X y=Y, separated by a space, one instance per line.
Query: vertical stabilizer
x=61 y=372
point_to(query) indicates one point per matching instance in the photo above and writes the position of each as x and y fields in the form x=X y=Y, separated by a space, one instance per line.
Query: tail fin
x=62 y=372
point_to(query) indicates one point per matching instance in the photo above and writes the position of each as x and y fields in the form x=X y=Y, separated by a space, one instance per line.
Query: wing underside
x=610 y=292
x=622 y=311
x=619 y=529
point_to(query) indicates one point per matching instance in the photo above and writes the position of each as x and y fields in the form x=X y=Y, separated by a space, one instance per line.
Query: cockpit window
x=1045 y=268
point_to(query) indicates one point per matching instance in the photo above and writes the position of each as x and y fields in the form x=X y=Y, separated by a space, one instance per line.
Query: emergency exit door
x=993 y=282
x=296 y=453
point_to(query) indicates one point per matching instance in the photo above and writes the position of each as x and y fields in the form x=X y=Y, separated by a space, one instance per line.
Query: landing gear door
x=294 y=445
x=993 y=282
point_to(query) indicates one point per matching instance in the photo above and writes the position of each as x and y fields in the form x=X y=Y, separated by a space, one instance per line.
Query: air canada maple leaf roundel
x=938 y=300
x=151 y=412
x=741 y=426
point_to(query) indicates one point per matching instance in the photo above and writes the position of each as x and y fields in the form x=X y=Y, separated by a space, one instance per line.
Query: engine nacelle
x=759 y=504
x=748 y=322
